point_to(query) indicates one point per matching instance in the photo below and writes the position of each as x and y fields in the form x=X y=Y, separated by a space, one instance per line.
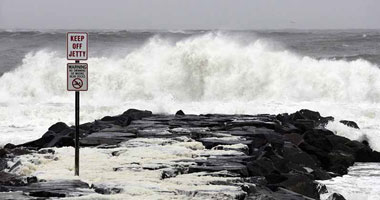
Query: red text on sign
x=77 y=38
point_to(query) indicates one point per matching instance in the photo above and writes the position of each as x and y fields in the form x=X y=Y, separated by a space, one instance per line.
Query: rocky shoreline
x=274 y=156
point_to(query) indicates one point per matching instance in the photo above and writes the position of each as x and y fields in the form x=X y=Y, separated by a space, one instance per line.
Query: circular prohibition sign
x=77 y=83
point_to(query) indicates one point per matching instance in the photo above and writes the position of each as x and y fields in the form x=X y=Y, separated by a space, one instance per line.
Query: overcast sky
x=189 y=14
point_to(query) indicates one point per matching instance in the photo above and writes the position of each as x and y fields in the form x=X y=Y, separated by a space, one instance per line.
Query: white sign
x=77 y=46
x=77 y=76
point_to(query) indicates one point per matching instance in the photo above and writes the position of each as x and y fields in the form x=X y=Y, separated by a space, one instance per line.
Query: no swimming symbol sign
x=77 y=77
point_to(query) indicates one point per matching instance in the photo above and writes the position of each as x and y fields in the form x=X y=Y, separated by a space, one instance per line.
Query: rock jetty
x=280 y=156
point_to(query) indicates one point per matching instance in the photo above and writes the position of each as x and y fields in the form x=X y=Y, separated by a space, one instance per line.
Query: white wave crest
x=207 y=67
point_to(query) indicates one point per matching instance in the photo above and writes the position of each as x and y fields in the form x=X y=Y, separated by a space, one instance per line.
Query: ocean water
x=246 y=72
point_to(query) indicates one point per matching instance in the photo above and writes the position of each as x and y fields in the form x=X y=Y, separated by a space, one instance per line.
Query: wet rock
x=212 y=142
x=340 y=161
x=58 y=127
x=3 y=164
x=301 y=184
x=335 y=140
x=31 y=179
x=320 y=174
x=294 y=138
x=284 y=194
x=179 y=113
x=305 y=114
x=61 y=141
x=57 y=188
x=7 y=195
x=261 y=167
x=46 y=194
x=102 y=189
x=46 y=151
x=297 y=156
x=108 y=138
x=318 y=154
x=137 y=114
x=18 y=151
x=109 y=118
x=322 y=189
x=231 y=167
x=173 y=172
x=267 y=141
x=336 y=196
x=40 y=143
x=238 y=147
x=304 y=124
x=3 y=153
x=7 y=179
x=123 y=120
x=363 y=153
x=9 y=146
x=318 y=139
x=351 y=124
x=288 y=151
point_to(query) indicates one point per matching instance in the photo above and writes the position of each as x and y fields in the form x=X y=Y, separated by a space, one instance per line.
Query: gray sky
x=189 y=14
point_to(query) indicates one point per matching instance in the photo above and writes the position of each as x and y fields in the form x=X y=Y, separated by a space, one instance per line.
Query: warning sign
x=77 y=46
x=77 y=77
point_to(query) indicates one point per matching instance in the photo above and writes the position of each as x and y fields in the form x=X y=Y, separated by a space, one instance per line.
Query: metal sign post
x=77 y=95
x=77 y=77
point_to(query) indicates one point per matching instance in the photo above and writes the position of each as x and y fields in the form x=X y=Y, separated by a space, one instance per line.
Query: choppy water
x=334 y=72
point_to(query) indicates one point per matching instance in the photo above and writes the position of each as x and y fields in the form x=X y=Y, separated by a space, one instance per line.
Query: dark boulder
x=320 y=155
x=123 y=120
x=261 y=167
x=305 y=114
x=64 y=137
x=363 y=153
x=101 y=189
x=179 y=113
x=58 y=127
x=9 y=146
x=3 y=164
x=3 y=153
x=137 y=114
x=336 y=196
x=351 y=124
x=18 y=151
x=287 y=128
x=320 y=174
x=7 y=179
x=297 y=156
x=61 y=141
x=336 y=140
x=304 y=124
x=109 y=118
x=275 y=178
x=340 y=161
x=41 y=142
x=46 y=194
x=301 y=184
x=276 y=140
x=317 y=138
x=294 y=138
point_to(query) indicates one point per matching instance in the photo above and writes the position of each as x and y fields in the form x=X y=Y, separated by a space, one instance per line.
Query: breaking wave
x=207 y=67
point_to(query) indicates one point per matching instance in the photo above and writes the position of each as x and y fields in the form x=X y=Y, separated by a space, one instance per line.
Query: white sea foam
x=97 y=167
x=361 y=183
